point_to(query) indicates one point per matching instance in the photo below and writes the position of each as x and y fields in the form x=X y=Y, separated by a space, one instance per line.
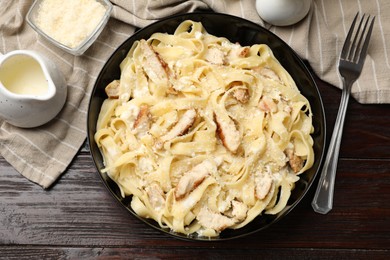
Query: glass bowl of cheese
x=71 y=25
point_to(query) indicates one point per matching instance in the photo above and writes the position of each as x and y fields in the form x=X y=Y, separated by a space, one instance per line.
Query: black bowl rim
x=301 y=64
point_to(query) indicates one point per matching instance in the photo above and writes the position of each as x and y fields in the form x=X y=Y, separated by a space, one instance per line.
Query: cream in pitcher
x=32 y=89
x=27 y=79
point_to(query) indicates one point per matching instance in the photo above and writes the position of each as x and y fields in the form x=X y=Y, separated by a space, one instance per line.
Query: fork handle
x=323 y=198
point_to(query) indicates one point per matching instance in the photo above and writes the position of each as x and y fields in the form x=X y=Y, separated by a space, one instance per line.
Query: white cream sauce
x=23 y=75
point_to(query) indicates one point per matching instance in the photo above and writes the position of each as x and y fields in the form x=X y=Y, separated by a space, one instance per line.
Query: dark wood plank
x=367 y=126
x=78 y=218
x=186 y=253
x=79 y=211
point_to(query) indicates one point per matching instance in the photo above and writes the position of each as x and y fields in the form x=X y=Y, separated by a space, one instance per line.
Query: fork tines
x=357 y=48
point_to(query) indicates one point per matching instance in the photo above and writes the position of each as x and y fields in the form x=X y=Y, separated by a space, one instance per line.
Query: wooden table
x=78 y=218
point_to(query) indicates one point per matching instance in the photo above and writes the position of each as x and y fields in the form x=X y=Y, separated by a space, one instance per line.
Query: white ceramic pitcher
x=282 y=12
x=32 y=89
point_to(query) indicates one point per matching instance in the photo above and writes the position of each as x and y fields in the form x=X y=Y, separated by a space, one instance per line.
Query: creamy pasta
x=203 y=133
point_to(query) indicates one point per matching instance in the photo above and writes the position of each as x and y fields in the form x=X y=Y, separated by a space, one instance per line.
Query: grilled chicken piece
x=215 y=56
x=228 y=133
x=263 y=184
x=156 y=196
x=267 y=104
x=142 y=122
x=296 y=162
x=239 y=210
x=155 y=68
x=267 y=72
x=241 y=94
x=236 y=52
x=214 y=220
x=241 y=52
x=185 y=122
x=193 y=178
x=112 y=89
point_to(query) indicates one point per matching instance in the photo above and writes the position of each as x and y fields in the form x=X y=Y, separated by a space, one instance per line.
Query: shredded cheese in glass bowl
x=72 y=25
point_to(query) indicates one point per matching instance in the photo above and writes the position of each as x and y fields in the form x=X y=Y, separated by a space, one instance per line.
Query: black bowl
x=236 y=30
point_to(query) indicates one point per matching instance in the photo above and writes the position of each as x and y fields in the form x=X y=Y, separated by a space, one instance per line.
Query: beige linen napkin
x=318 y=38
x=42 y=154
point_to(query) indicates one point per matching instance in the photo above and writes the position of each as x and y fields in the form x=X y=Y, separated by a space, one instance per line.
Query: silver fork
x=350 y=66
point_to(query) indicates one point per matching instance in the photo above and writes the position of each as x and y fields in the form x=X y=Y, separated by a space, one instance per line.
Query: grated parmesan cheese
x=69 y=22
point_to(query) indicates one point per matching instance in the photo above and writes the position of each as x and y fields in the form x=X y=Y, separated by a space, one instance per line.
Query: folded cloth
x=318 y=38
x=42 y=154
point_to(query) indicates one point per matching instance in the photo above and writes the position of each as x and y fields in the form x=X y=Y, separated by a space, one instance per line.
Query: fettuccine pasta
x=204 y=134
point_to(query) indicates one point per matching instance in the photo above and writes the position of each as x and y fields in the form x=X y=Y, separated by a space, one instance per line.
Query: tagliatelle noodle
x=205 y=134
